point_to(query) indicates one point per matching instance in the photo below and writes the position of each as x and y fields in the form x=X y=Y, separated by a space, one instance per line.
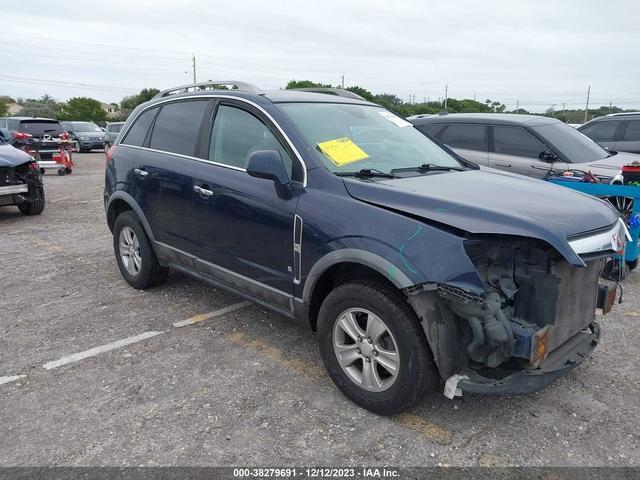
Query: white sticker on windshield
x=396 y=120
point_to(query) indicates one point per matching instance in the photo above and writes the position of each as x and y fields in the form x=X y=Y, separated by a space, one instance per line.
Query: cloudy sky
x=539 y=52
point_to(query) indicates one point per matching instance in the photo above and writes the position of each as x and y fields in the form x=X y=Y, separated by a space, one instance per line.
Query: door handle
x=503 y=164
x=140 y=173
x=202 y=191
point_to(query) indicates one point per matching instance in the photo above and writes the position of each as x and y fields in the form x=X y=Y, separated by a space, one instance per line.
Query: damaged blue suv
x=412 y=265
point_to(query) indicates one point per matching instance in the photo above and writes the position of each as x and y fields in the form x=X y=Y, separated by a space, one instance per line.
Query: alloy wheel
x=366 y=350
x=130 y=251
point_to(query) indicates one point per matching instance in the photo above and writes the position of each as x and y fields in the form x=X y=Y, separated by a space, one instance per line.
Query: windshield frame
x=320 y=160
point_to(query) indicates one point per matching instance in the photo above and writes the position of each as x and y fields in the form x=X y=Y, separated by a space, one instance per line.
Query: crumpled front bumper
x=558 y=363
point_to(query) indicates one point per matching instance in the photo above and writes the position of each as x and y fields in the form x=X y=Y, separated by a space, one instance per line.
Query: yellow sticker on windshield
x=342 y=151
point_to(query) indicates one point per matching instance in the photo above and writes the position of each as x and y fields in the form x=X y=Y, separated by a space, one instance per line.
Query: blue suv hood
x=483 y=202
x=11 y=156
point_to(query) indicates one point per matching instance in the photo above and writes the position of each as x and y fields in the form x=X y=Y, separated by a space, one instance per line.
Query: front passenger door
x=244 y=227
x=515 y=149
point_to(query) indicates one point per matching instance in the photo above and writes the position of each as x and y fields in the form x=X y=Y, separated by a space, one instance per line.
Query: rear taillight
x=21 y=135
x=109 y=155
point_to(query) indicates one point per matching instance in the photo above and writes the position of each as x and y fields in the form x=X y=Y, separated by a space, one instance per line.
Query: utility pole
x=446 y=95
x=342 y=80
x=563 y=110
x=193 y=59
x=474 y=97
x=517 y=107
x=610 y=107
x=586 y=110
x=424 y=99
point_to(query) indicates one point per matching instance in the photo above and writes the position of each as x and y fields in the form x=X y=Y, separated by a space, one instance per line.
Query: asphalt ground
x=94 y=373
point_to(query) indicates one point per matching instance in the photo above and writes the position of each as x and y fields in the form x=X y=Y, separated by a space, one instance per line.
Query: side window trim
x=266 y=122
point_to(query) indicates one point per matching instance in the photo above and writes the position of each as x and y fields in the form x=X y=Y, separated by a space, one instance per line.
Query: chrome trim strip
x=12 y=189
x=297 y=249
x=188 y=157
x=611 y=239
x=249 y=102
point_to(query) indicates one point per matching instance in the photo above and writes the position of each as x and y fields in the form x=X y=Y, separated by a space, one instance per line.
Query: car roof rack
x=620 y=114
x=208 y=85
x=340 y=92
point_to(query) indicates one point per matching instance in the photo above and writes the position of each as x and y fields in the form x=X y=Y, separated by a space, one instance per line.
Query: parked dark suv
x=85 y=135
x=41 y=135
x=617 y=132
x=334 y=211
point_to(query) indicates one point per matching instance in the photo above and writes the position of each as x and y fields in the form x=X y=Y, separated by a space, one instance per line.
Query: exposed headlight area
x=534 y=301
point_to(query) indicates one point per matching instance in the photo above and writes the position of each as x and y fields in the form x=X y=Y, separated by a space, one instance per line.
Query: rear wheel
x=136 y=259
x=374 y=348
x=34 y=204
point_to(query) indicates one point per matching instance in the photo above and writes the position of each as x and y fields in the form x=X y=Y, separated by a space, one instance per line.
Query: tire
x=68 y=171
x=632 y=264
x=149 y=271
x=416 y=375
x=61 y=172
x=36 y=202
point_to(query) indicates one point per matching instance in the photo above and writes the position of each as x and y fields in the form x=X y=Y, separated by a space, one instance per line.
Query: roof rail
x=208 y=85
x=620 y=114
x=340 y=92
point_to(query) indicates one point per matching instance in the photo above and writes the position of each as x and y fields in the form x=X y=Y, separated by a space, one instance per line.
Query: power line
x=66 y=84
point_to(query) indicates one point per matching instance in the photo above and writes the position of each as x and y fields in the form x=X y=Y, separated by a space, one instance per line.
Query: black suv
x=85 y=135
x=617 y=132
x=41 y=135
x=336 y=212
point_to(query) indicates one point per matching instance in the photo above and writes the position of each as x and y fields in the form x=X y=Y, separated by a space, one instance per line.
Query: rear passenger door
x=244 y=226
x=164 y=166
x=515 y=149
x=469 y=140
x=629 y=138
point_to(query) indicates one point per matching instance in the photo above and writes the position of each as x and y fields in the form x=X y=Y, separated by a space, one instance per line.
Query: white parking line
x=11 y=379
x=216 y=313
x=76 y=357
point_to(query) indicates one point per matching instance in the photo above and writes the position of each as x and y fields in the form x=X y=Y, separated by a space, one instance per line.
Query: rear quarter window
x=632 y=132
x=601 y=131
x=138 y=131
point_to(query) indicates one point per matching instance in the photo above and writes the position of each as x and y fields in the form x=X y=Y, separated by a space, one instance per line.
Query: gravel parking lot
x=243 y=386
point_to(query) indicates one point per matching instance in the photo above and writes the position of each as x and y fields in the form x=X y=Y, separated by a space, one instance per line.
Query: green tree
x=304 y=84
x=45 y=107
x=364 y=93
x=4 y=109
x=132 y=101
x=83 y=108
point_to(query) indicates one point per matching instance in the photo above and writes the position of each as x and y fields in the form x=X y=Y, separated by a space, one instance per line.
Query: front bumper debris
x=558 y=363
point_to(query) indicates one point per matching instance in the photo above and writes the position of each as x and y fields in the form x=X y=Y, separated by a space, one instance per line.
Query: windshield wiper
x=427 y=167
x=366 y=173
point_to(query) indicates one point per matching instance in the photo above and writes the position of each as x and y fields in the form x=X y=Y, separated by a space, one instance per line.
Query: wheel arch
x=339 y=266
x=120 y=202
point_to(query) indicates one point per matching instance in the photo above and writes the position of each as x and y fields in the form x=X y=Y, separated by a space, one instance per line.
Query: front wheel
x=374 y=348
x=136 y=259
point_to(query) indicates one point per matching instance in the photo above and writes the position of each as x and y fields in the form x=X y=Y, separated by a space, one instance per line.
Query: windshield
x=86 y=127
x=576 y=147
x=351 y=137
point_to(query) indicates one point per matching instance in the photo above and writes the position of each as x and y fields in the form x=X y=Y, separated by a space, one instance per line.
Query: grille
x=576 y=300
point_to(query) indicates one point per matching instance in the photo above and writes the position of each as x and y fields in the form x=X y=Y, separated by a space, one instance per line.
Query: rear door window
x=601 y=131
x=516 y=141
x=632 y=132
x=138 y=131
x=177 y=126
x=465 y=136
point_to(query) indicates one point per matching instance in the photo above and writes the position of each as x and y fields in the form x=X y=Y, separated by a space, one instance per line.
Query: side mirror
x=548 y=156
x=268 y=164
